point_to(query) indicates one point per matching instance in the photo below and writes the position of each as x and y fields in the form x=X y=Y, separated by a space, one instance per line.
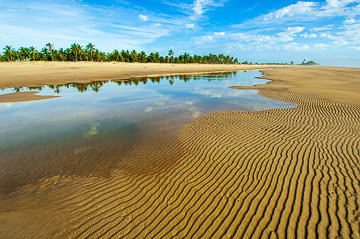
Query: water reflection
x=96 y=127
x=95 y=86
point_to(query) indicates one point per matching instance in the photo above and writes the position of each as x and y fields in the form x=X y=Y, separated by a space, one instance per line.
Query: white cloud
x=156 y=25
x=320 y=46
x=314 y=10
x=210 y=37
x=299 y=8
x=285 y=36
x=199 y=6
x=289 y=34
x=143 y=17
x=350 y=21
x=295 y=46
x=307 y=35
x=326 y=35
x=190 y=25
x=44 y=21
x=320 y=29
x=219 y=33
x=263 y=32
x=204 y=39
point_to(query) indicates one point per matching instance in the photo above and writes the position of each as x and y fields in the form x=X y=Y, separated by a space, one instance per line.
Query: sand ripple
x=284 y=173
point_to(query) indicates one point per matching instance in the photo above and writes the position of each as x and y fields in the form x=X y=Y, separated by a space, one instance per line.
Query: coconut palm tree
x=32 y=52
x=133 y=56
x=10 y=53
x=90 y=48
x=62 y=54
x=75 y=50
x=171 y=54
x=142 y=57
x=51 y=48
x=24 y=53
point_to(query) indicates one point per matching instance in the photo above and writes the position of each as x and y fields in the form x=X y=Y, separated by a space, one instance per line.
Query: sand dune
x=283 y=173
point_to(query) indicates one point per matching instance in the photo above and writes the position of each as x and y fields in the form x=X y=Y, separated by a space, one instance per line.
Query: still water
x=93 y=128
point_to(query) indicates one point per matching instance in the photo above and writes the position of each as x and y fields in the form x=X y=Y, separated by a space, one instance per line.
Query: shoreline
x=32 y=74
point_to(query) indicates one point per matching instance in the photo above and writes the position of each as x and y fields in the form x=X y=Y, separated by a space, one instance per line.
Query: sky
x=327 y=32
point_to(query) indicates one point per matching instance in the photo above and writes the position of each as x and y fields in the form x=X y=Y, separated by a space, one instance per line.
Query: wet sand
x=281 y=173
x=24 y=96
x=32 y=74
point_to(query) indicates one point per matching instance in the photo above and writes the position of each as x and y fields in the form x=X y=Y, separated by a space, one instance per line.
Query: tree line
x=76 y=52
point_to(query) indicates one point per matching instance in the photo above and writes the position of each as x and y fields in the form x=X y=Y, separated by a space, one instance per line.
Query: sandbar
x=32 y=74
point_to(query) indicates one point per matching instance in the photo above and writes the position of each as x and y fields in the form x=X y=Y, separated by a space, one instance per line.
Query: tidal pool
x=97 y=127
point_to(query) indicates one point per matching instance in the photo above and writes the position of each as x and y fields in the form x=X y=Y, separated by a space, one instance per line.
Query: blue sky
x=327 y=32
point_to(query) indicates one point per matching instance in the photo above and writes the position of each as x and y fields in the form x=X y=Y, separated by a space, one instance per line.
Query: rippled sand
x=284 y=173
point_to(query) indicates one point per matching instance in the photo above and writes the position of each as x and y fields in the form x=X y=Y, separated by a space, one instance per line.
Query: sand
x=24 y=96
x=281 y=173
x=32 y=74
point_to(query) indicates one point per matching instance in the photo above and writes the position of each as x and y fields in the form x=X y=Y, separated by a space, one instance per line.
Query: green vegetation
x=308 y=63
x=77 y=52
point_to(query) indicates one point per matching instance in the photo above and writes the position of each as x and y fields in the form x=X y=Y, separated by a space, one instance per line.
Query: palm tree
x=32 y=52
x=24 y=53
x=90 y=47
x=142 y=57
x=50 y=47
x=61 y=54
x=9 y=53
x=157 y=57
x=77 y=52
x=114 y=56
x=133 y=56
x=171 y=54
x=75 y=49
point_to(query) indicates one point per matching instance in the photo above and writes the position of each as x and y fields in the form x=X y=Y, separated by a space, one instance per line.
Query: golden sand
x=24 y=96
x=32 y=74
x=281 y=173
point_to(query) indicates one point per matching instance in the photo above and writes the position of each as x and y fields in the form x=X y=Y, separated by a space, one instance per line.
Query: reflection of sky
x=86 y=113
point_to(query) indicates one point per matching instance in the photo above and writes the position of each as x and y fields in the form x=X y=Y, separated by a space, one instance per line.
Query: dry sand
x=282 y=173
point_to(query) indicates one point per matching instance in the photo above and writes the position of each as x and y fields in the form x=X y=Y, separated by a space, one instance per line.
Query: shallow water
x=94 y=128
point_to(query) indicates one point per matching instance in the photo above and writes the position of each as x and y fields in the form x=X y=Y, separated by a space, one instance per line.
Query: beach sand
x=280 y=173
x=32 y=74
x=24 y=96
